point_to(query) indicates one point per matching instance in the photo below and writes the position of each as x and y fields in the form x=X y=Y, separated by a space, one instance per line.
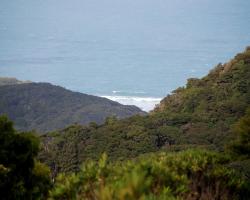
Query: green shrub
x=167 y=176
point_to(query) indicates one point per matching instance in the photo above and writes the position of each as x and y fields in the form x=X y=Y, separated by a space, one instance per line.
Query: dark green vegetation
x=199 y=115
x=241 y=147
x=190 y=174
x=21 y=175
x=46 y=107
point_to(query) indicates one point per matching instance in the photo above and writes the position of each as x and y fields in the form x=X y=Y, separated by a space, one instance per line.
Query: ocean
x=132 y=51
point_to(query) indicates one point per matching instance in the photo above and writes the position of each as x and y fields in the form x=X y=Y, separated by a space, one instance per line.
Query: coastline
x=145 y=103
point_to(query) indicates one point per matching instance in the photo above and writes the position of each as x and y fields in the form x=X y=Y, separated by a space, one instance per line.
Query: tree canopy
x=21 y=176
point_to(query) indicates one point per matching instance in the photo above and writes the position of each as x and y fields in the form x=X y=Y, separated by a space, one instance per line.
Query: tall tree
x=20 y=174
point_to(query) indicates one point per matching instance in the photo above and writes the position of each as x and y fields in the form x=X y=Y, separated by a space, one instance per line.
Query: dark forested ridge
x=45 y=107
x=202 y=114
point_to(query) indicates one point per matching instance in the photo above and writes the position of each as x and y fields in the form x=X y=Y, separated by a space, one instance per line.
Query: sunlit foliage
x=192 y=174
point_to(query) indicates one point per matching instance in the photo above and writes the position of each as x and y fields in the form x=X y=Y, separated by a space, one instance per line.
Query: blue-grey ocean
x=132 y=51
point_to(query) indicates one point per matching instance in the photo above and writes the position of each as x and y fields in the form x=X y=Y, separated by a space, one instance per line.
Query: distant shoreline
x=145 y=103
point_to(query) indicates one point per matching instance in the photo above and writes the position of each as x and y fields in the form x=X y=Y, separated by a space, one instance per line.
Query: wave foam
x=144 y=103
x=127 y=92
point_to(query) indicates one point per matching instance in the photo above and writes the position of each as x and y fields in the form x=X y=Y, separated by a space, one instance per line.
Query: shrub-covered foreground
x=192 y=174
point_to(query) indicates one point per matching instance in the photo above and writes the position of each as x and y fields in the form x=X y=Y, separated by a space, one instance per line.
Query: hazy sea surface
x=132 y=51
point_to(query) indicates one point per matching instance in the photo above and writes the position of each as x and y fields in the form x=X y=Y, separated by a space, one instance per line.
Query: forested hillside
x=46 y=107
x=201 y=114
x=191 y=174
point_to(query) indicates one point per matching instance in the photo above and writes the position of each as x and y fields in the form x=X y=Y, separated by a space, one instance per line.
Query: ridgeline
x=45 y=107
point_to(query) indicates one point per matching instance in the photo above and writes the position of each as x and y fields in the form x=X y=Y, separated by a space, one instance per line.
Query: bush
x=193 y=173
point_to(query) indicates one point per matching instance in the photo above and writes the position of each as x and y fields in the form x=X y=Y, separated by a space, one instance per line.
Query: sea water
x=131 y=51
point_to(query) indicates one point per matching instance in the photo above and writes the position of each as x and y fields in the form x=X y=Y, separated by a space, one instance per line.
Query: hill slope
x=200 y=114
x=46 y=107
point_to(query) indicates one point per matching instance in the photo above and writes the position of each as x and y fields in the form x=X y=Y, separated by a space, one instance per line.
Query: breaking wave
x=144 y=103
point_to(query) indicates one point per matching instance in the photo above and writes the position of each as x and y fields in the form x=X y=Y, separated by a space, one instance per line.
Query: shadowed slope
x=46 y=107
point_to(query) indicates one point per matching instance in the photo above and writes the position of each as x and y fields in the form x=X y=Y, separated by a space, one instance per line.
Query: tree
x=18 y=174
x=242 y=129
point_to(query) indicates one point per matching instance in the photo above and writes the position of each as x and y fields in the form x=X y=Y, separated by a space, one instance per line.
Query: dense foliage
x=241 y=146
x=45 y=107
x=200 y=114
x=192 y=174
x=21 y=176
